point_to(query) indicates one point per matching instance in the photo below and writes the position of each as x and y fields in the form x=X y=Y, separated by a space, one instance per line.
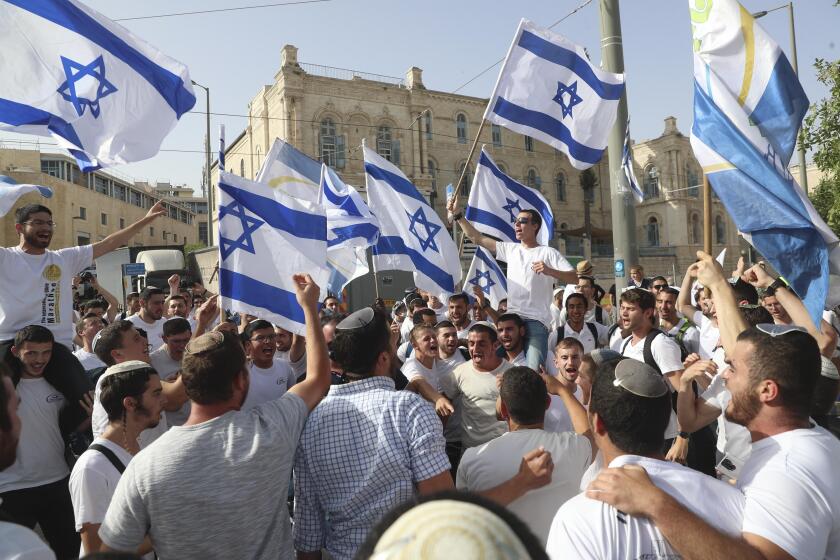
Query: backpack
x=647 y=352
x=561 y=333
x=112 y=458
x=599 y=314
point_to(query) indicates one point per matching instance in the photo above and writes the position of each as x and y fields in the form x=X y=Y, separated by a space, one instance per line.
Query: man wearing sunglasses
x=531 y=271
x=792 y=500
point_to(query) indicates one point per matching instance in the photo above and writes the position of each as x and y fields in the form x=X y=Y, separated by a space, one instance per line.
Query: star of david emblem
x=431 y=229
x=511 y=204
x=76 y=74
x=249 y=226
x=476 y=281
x=564 y=91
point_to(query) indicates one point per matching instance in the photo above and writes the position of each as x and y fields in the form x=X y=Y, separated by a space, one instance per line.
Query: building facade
x=88 y=207
x=328 y=112
x=184 y=196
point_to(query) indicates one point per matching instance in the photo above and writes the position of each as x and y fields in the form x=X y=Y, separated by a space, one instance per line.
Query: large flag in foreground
x=351 y=228
x=103 y=93
x=485 y=273
x=11 y=191
x=748 y=107
x=293 y=172
x=495 y=200
x=266 y=236
x=548 y=89
x=412 y=236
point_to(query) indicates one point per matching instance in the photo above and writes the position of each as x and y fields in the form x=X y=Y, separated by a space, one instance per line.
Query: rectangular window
x=151 y=231
x=52 y=168
x=100 y=184
x=328 y=150
x=119 y=191
x=103 y=218
x=136 y=198
x=529 y=144
x=82 y=213
x=496 y=132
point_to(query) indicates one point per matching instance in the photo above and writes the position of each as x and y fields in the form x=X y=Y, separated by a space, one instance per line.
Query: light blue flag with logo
x=412 y=236
x=496 y=199
x=266 y=236
x=484 y=273
x=293 y=172
x=103 y=93
x=627 y=167
x=748 y=107
x=351 y=228
x=548 y=89
x=11 y=191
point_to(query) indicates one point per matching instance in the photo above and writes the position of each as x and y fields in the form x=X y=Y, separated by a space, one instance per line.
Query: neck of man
x=200 y=413
x=775 y=423
x=146 y=317
x=29 y=249
x=465 y=320
x=514 y=426
x=529 y=243
x=26 y=374
x=577 y=326
x=489 y=367
x=611 y=452
x=124 y=435
x=642 y=331
x=262 y=364
x=87 y=344
x=427 y=361
x=514 y=352
x=570 y=385
x=669 y=322
x=443 y=355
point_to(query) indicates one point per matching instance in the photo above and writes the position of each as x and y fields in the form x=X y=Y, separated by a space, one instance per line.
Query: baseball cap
x=640 y=379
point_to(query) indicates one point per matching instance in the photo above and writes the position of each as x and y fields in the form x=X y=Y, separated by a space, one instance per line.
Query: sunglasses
x=523 y=221
x=659 y=286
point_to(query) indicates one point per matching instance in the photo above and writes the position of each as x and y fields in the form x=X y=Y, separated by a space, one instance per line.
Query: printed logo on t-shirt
x=50 y=305
x=663 y=551
x=55 y=397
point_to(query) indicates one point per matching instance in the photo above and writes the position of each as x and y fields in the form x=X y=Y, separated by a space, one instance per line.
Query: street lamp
x=207 y=165
x=803 y=175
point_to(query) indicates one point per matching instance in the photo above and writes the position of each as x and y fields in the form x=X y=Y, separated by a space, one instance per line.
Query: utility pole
x=207 y=164
x=803 y=172
x=623 y=208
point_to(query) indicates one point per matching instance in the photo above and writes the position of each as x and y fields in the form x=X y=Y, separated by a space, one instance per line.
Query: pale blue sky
x=235 y=53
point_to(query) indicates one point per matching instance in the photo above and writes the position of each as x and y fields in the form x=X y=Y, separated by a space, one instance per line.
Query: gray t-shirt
x=192 y=489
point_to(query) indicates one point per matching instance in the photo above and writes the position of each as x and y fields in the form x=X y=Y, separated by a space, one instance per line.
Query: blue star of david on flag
x=74 y=73
x=476 y=281
x=511 y=204
x=431 y=229
x=249 y=226
x=573 y=97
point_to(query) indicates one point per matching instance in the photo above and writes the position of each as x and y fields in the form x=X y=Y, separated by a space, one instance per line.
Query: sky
x=237 y=52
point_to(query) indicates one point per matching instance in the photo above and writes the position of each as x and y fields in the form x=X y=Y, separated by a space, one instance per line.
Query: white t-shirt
x=529 y=293
x=405 y=329
x=40 y=452
x=792 y=494
x=448 y=364
x=734 y=440
x=477 y=391
x=666 y=354
x=99 y=419
x=584 y=336
x=299 y=367
x=166 y=368
x=691 y=338
x=709 y=335
x=519 y=360
x=589 y=529
x=89 y=360
x=268 y=384
x=452 y=426
x=21 y=543
x=465 y=332
x=557 y=417
x=38 y=290
x=153 y=330
x=412 y=369
x=497 y=461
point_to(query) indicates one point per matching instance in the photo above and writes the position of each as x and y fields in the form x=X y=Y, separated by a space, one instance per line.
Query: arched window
x=502 y=167
x=653 y=232
x=693 y=181
x=433 y=172
x=720 y=230
x=241 y=167
x=427 y=121
x=327 y=142
x=533 y=179
x=467 y=182
x=529 y=144
x=461 y=128
x=259 y=156
x=496 y=134
x=651 y=182
x=694 y=230
x=560 y=183
x=386 y=146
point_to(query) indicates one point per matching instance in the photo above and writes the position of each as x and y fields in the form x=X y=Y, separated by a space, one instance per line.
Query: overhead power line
x=235 y=9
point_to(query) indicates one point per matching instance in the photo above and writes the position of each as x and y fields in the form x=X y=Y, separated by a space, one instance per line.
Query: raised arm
x=693 y=412
x=580 y=420
x=485 y=305
x=113 y=304
x=684 y=299
x=475 y=236
x=317 y=382
x=730 y=320
x=122 y=237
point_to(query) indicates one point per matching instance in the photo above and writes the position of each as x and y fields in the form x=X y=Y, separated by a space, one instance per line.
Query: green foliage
x=588 y=179
x=193 y=247
x=826 y=199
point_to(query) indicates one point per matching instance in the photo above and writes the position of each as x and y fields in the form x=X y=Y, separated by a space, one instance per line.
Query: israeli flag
x=103 y=93
x=412 y=236
x=627 y=168
x=548 y=89
x=484 y=273
x=11 y=191
x=496 y=199
x=266 y=236
x=293 y=172
x=351 y=228
x=748 y=107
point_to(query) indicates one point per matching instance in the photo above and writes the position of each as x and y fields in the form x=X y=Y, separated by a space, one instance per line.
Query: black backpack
x=647 y=352
x=561 y=333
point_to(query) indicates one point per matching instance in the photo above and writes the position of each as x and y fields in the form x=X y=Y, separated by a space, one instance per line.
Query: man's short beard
x=35 y=242
x=744 y=408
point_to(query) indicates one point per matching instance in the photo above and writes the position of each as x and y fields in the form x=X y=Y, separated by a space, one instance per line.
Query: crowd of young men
x=611 y=432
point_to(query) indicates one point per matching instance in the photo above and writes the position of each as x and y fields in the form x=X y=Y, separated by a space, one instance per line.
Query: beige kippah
x=205 y=342
x=449 y=529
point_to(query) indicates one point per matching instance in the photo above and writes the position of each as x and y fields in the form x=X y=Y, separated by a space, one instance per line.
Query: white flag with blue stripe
x=748 y=107
x=548 y=89
x=627 y=168
x=266 y=236
x=351 y=228
x=412 y=235
x=11 y=191
x=293 y=172
x=496 y=199
x=486 y=274
x=103 y=93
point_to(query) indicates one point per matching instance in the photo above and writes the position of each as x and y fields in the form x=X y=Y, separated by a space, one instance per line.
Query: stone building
x=185 y=196
x=327 y=113
x=89 y=207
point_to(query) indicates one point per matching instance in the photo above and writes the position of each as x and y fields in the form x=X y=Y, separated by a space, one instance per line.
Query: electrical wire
x=234 y=9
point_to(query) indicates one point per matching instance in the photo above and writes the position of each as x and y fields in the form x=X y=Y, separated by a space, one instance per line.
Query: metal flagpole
x=461 y=180
x=707 y=215
x=372 y=259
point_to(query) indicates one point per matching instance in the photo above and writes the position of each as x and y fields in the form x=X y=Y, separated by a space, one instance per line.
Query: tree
x=821 y=133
